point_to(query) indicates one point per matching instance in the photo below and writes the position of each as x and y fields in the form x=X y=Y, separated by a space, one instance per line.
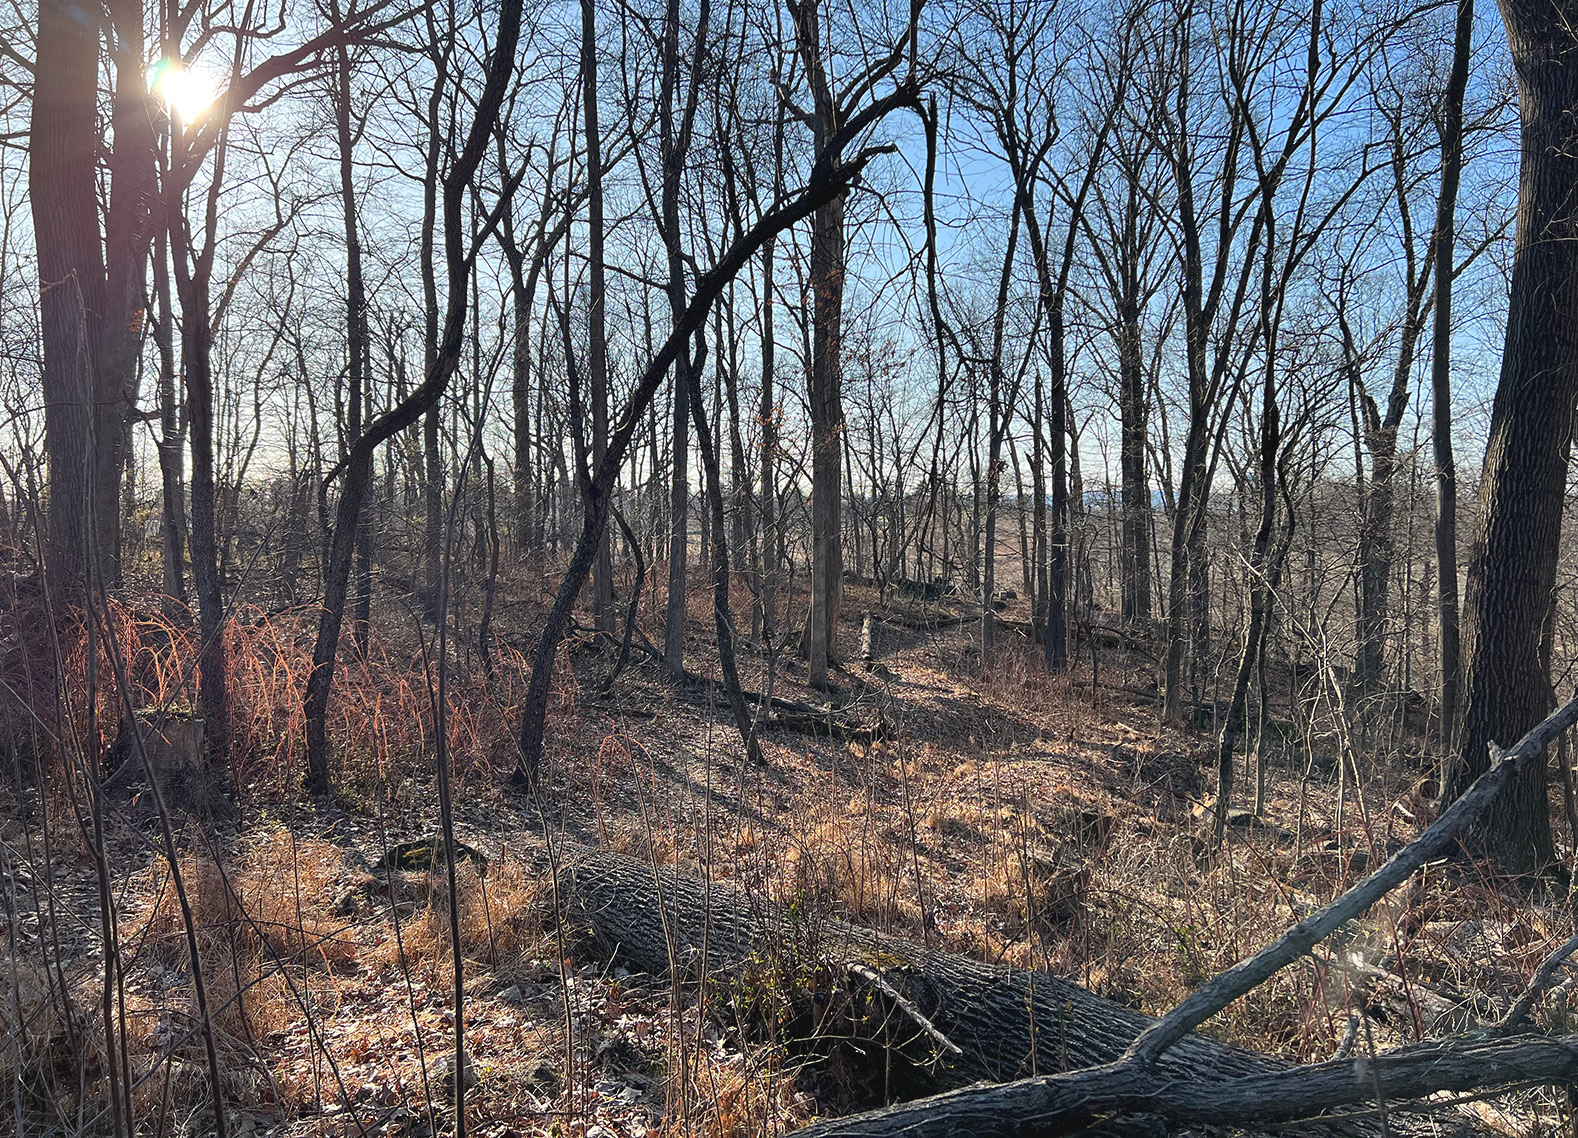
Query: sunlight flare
x=186 y=92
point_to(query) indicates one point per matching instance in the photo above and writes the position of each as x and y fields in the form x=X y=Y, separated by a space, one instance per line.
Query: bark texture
x=1008 y=1023
x=1513 y=568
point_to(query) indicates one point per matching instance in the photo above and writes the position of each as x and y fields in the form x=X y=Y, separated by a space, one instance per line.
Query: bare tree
x=1441 y=376
x=460 y=255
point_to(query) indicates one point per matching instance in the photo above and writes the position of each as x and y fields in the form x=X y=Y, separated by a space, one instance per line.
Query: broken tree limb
x=1141 y=1081
x=1541 y=980
x=876 y=980
x=1438 y=839
x=1059 y=1104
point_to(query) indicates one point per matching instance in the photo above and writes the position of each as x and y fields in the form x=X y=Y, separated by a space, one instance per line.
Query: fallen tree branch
x=1141 y=1081
x=1541 y=980
x=876 y=980
x=1438 y=839
x=1058 y=1104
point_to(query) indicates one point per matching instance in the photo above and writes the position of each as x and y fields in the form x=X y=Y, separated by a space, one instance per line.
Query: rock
x=429 y=853
x=512 y=995
x=441 y=1073
x=541 y=1077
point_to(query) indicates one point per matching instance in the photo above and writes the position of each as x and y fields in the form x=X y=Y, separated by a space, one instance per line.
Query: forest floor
x=1051 y=823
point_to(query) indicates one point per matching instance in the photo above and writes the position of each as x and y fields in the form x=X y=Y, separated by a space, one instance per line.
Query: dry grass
x=849 y=860
x=501 y=918
x=736 y=1097
x=1033 y=821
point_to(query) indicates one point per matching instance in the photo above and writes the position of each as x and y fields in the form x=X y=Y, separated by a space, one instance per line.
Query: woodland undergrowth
x=1046 y=822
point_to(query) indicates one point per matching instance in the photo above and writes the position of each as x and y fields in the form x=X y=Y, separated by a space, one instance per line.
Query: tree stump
x=175 y=745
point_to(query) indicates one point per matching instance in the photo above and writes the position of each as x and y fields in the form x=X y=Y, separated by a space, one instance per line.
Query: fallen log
x=1003 y=1023
x=995 y=1023
x=1060 y=1104
x=912 y=623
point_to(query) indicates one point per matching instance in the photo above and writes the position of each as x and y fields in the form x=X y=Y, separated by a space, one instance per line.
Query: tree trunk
x=597 y=311
x=172 y=434
x=63 y=144
x=1441 y=378
x=678 y=518
x=771 y=543
x=1523 y=483
x=826 y=387
x=358 y=397
x=128 y=231
x=830 y=178
x=1007 y=1023
x=723 y=618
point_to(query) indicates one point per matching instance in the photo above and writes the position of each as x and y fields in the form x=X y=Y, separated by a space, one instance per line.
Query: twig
x=875 y=979
x=1525 y=1003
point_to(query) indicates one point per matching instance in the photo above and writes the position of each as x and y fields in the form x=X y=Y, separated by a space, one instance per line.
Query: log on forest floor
x=1113 y=1065
x=783 y=714
x=994 y=1023
x=952 y=1020
x=1007 y=1023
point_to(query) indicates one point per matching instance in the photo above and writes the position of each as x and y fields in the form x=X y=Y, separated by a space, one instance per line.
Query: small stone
x=441 y=1073
x=512 y=995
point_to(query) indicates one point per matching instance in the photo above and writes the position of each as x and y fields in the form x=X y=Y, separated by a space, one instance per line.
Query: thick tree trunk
x=128 y=232
x=1523 y=483
x=826 y=388
x=1006 y=1022
x=62 y=179
x=196 y=359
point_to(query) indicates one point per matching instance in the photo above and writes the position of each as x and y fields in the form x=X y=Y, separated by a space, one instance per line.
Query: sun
x=187 y=93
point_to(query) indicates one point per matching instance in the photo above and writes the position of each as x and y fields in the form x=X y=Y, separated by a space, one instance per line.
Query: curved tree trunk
x=359 y=462
x=830 y=177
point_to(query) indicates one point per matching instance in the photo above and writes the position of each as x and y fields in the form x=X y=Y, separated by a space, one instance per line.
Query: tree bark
x=826 y=372
x=1441 y=378
x=62 y=176
x=1523 y=482
x=597 y=309
x=1008 y=1023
